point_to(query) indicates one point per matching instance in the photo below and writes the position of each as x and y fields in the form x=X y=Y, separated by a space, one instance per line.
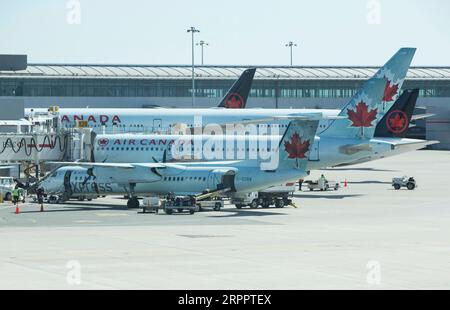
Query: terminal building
x=149 y=86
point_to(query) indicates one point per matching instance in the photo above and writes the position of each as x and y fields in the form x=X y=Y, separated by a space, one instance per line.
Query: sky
x=239 y=32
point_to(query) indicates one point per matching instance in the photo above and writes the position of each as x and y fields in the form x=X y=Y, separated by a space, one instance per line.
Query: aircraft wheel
x=168 y=211
x=397 y=186
x=133 y=203
x=254 y=204
x=411 y=186
x=238 y=206
x=191 y=211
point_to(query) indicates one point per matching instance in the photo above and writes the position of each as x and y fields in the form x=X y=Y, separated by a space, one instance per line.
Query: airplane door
x=157 y=124
x=212 y=183
x=314 y=155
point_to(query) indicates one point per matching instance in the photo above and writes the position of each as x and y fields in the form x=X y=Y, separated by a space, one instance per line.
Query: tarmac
x=364 y=236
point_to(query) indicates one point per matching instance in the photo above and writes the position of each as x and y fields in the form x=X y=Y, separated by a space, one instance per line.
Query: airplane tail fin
x=236 y=97
x=396 y=122
x=296 y=144
x=394 y=71
x=370 y=104
x=361 y=114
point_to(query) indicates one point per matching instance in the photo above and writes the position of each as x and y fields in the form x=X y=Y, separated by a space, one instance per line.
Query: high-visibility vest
x=15 y=193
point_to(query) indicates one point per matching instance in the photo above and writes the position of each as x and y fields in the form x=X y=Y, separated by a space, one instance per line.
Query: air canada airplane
x=346 y=139
x=162 y=178
x=165 y=120
x=389 y=140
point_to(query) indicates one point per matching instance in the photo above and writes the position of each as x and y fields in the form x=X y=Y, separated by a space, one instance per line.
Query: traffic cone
x=345 y=183
x=17 y=209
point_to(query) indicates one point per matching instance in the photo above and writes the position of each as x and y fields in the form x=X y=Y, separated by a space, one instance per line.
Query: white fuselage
x=166 y=120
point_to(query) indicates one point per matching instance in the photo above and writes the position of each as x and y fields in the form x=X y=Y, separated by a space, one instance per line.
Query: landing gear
x=133 y=202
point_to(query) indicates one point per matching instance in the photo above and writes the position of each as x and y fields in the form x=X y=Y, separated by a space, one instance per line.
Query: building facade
x=146 y=86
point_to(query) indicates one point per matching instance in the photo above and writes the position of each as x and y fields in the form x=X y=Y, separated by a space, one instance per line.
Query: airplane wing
x=110 y=165
x=421 y=116
x=407 y=144
x=287 y=117
x=355 y=148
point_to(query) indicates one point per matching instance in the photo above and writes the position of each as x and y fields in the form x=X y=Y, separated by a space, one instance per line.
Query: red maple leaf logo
x=234 y=101
x=397 y=121
x=362 y=117
x=390 y=91
x=103 y=142
x=295 y=148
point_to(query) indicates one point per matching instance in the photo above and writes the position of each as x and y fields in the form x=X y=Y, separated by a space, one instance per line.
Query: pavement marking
x=87 y=222
x=111 y=214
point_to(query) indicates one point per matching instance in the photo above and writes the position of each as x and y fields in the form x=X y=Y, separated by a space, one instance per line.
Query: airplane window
x=151 y=149
x=204 y=179
x=122 y=149
x=146 y=148
x=178 y=178
x=127 y=148
x=132 y=149
x=157 y=149
x=182 y=179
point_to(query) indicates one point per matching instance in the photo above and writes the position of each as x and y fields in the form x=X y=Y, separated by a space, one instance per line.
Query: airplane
x=344 y=138
x=189 y=179
x=389 y=140
x=166 y=120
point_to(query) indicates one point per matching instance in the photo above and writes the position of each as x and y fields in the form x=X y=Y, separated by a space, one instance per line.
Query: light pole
x=291 y=45
x=202 y=43
x=193 y=31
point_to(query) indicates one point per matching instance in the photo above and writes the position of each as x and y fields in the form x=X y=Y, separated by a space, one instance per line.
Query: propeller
x=164 y=159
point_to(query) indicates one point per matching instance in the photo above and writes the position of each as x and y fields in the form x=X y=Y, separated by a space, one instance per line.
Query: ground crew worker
x=40 y=197
x=300 y=183
x=16 y=195
x=322 y=182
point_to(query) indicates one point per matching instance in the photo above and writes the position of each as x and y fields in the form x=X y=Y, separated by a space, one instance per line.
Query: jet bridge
x=29 y=142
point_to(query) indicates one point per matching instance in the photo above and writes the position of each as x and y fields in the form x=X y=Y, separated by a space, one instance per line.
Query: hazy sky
x=346 y=32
